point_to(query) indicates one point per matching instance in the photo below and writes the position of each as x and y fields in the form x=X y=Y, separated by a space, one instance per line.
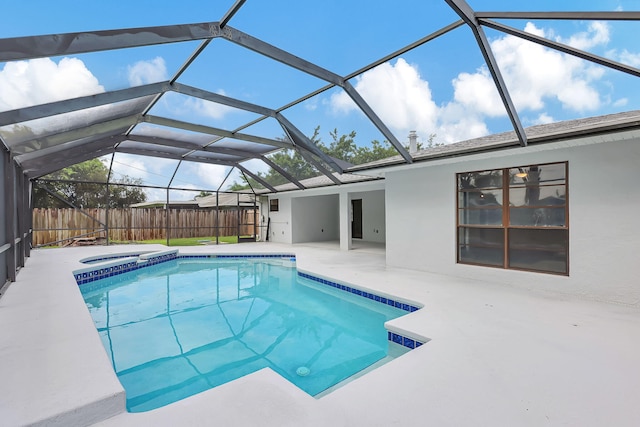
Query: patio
x=497 y=355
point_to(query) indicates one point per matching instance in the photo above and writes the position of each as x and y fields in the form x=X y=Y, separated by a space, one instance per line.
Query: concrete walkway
x=498 y=356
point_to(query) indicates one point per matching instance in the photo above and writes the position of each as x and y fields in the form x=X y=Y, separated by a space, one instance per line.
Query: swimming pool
x=186 y=324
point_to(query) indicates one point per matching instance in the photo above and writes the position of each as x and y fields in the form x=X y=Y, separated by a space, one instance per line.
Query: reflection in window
x=273 y=205
x=515 y=218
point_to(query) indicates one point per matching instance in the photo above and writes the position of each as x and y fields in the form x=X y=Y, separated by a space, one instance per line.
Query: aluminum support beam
x=562 y=48
x=42 y=170
x=162 y=187
x=75 y=104
x=387 y=58
x=193 y=147
x=97 y=131
x=44 y=164
x=326 y=172
x=20 y=48
x=305 y=143
x=68 y=203
x=580 y=16
x=215 y=131
x=29 y=216
x=20 y=214
x=75 y=147
x=270 y=51
x=282 y=172
x=9 y=218
x=468 y=15
x=442 y=31
x=309 y=158
x=221 y=99
x=219 y=187
x=161 y=155
x=373 y=117
x=257 y=178
x=189 y=60
x=232 y=11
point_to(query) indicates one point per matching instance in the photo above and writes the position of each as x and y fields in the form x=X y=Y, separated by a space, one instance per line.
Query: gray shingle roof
x=546 y=133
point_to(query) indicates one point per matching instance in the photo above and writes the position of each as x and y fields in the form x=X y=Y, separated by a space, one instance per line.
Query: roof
x=545 y=133
x=163 y=203
x=226 y=199
x=43 y=138
x=210 y=201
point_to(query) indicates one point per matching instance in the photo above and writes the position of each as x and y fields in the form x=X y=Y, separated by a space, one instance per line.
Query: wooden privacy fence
x=137 y=224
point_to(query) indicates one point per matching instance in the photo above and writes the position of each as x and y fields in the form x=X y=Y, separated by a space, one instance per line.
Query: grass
x=193 y=241
x=186 y=241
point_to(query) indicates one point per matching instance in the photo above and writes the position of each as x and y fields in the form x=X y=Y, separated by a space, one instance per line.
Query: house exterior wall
x=280 y=221
x=604 y=223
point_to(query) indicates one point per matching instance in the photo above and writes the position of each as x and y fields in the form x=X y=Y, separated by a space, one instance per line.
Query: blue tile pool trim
x=104 y=272
x=108 y=258
x=279 y=256
x=391 y=336
x=403 y=341
x=377 y=298
x=125 y=267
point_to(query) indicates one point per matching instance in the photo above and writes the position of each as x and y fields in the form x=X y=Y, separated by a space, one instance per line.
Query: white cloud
x=458 y=123
x=628 y=58
x=597 y=34
x=621 y=102
x=311 y=105
x=211 y=175
x=207 y=108
x=478 y=93
x=404 y=102
x=402 y=98
x=543 y=119
x=180 y=195
x=534 y=75
x=145 y=72
x=397 y=94
x=155 y=194
x=38 y=81
x=132 y=166
x=255 y=166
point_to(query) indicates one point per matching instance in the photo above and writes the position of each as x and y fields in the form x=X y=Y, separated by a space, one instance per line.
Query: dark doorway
x=356 y=221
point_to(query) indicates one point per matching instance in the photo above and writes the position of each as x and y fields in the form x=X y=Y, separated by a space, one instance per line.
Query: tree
x=125 y=192
x=342 y=147
x=203 y=194
x=84 y=186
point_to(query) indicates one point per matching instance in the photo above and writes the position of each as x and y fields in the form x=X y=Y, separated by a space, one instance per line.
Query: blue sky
x=440 y=88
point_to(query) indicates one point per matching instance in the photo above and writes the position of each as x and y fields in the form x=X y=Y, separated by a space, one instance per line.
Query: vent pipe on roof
x=413 y=141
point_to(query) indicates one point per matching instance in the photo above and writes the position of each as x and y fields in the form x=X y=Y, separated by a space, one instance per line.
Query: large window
x=515 y=218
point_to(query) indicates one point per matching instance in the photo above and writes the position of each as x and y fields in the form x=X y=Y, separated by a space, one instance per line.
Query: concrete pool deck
x=497 y=355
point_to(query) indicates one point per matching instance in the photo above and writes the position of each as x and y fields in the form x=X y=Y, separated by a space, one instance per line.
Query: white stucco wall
x=280 y=225
x=316 y=218
x=604 y=211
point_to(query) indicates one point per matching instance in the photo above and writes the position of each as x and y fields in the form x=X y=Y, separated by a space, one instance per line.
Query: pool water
x=187 y=325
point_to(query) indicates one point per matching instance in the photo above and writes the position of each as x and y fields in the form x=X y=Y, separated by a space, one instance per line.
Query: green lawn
x=193 y=241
